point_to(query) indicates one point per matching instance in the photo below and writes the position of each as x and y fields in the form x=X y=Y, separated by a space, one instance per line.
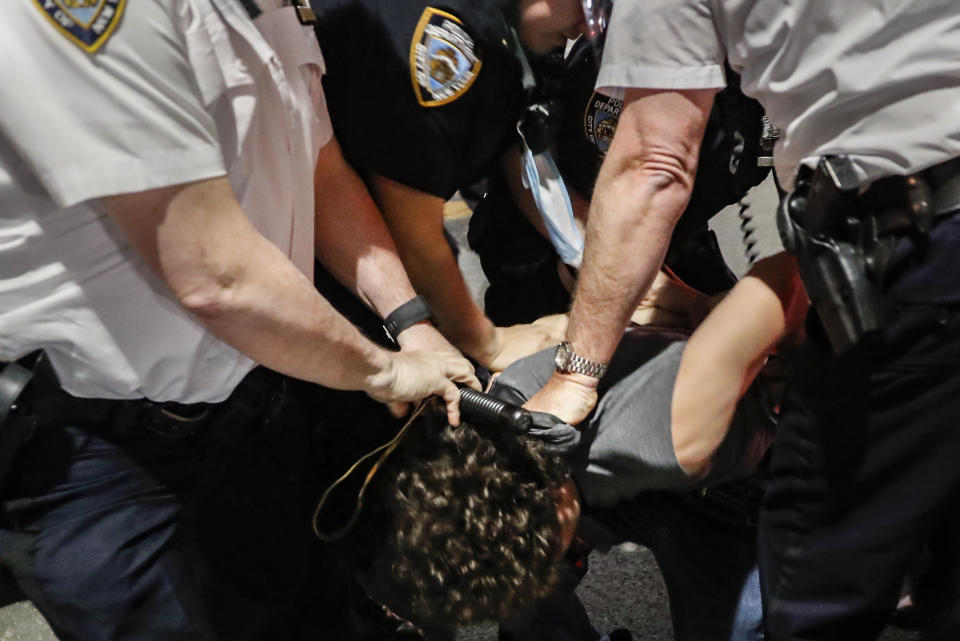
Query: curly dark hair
x=474 y=523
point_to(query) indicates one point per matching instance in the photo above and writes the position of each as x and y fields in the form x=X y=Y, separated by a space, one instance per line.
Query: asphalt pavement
x=623 y=587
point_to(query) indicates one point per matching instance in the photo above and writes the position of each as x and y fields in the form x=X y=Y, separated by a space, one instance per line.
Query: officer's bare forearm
x=626 y=242
x=415 y=221
x=239 y=285
x=351 y=238
x=643 y=188
x=434 y=269
x=641 y=191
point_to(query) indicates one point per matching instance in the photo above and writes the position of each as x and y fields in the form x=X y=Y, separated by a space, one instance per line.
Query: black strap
x=305 y=13
x=252 y=9
x=917 y=200
x=411 y=312
x=13 y=378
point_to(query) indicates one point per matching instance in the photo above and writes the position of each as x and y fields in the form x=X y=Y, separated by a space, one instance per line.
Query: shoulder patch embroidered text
x=443 y=60
x=600 y=120
x=88 y=23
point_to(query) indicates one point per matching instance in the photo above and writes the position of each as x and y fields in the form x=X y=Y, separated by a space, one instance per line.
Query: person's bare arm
x=353 y=242
x=724 y=355
x=415 y=220
x=643 y=188
x=197 y=239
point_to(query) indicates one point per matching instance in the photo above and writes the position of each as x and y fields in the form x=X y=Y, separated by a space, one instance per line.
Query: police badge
x=600 y=120
x=88 y=23
x=443 y=63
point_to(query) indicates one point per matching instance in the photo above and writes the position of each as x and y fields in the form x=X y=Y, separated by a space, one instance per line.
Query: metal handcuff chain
x=384 y=452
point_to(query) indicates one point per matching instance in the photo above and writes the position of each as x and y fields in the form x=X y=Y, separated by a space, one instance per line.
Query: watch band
x=410 y=313
x=568 y=361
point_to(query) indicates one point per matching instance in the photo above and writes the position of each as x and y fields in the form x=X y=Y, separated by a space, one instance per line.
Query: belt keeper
x=410 y=313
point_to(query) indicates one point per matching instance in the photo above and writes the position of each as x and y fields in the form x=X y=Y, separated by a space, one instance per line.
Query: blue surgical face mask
x=543 y=179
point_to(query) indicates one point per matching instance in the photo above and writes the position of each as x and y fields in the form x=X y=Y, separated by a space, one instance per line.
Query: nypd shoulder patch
x=443 y=59
x=600 y=120
x=87 y=23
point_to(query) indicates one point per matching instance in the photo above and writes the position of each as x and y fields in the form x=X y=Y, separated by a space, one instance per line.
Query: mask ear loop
x=385 y=451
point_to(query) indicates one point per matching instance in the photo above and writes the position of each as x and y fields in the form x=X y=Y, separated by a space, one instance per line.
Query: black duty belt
x=14 y=378
x=305 y=13
x=842 y=258
x=917 y=200
x=49 y=405
x=251 y=8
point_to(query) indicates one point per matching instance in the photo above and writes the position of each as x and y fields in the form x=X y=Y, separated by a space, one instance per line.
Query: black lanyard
x=304 y=12
x=252 y=9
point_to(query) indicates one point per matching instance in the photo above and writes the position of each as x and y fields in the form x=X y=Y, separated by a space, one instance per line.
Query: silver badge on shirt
x=443 y=62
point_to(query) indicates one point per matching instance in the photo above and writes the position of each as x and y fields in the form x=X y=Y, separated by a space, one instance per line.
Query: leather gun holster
x=836 y=247
x=843 y=236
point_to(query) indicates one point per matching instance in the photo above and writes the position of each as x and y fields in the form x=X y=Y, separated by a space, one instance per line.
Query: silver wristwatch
x=568 y=361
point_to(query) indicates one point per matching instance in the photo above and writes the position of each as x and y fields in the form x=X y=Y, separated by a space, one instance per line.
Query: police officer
x=521 y=265
x=156 y=170
x=425 y=99
x=864 y=464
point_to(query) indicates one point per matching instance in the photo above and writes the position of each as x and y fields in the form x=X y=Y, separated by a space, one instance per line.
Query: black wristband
x=410 y=313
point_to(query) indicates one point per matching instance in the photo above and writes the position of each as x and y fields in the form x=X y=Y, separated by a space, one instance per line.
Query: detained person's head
x=544 y=25
x=476 y=522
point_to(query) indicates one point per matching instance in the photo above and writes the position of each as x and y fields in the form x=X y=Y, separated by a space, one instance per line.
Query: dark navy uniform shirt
x=427 y=95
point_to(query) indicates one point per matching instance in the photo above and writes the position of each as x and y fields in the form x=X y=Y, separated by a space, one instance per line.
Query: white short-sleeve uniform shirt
x=878 y=80
x=179 y=91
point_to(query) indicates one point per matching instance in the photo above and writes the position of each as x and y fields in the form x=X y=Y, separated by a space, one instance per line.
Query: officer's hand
x=569 y=397
x=424 y=337
x=411 y=376
x=517 y=341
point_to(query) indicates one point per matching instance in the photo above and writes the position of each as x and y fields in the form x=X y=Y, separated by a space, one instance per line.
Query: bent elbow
x=697 y=436
x=694 y=462
x=209 y=296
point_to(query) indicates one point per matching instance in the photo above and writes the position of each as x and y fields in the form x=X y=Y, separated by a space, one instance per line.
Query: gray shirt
x=626 y=444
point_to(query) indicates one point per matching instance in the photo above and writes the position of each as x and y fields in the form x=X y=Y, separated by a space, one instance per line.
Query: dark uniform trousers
x=120 y=526
x=866 y=465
